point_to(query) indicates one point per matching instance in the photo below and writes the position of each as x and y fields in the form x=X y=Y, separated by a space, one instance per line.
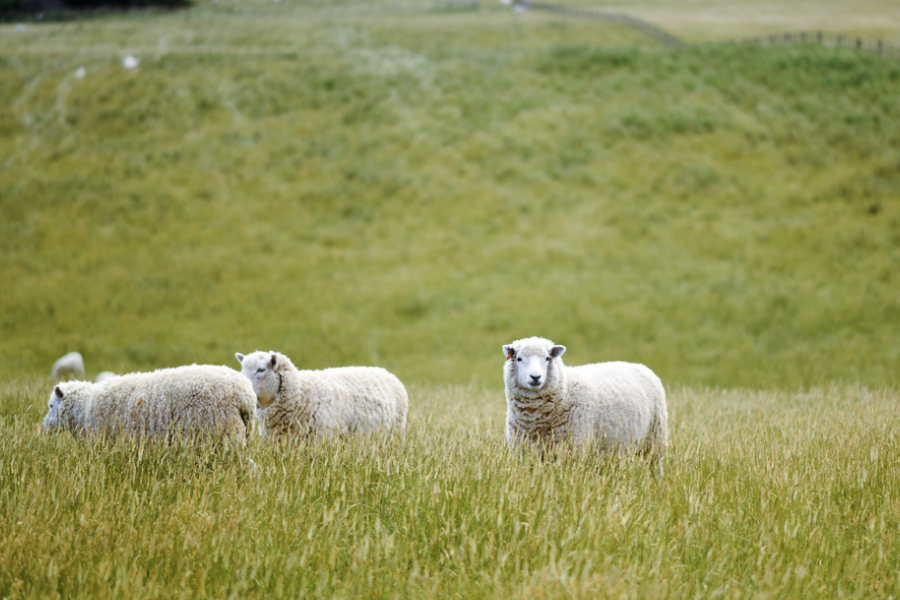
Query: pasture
x=412 y=186
x=766 y=494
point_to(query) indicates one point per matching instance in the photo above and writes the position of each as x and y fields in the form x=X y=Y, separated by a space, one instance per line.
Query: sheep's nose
x=536 y=378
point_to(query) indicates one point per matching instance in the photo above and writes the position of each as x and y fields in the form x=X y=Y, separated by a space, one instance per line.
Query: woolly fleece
x=610 y=406
x=325 y=403
x=199 y=400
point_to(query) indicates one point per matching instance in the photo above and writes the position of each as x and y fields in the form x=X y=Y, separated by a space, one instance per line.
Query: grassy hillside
x=394 y=185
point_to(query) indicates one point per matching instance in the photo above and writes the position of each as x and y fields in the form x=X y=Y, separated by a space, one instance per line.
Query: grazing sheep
x=291 y=402
x=613 y=406
x=197 y=401
x=68 y=367
x=103 y=376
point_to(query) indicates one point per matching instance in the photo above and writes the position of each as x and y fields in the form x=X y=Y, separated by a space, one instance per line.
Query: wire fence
x=829 y=40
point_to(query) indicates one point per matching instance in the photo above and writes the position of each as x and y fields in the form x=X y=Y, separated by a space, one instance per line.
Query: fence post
x=880 y=48
x=819 y=37
x=859 y=43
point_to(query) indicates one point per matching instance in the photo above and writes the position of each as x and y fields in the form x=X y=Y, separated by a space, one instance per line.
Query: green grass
x=765 y=494
x=390 y=188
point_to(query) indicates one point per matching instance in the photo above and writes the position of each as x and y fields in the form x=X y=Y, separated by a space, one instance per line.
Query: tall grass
x=765 y=494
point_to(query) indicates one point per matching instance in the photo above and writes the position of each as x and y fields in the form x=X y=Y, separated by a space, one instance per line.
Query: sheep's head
x=65 y=405
x=533 y=363
x=263 y=369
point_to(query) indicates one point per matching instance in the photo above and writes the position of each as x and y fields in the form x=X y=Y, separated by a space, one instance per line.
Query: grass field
x=412 y=187
x=766 y=494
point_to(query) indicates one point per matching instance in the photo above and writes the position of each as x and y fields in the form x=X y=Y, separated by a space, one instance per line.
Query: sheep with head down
x=69 y=366
x=606 y=407
x=307 y=403
x=198 y=401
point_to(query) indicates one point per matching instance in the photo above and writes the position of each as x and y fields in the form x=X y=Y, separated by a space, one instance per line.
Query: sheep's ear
x=273 y=361
x=557 y=351
x=58 y=392
x=240 y=357
x=509 y=352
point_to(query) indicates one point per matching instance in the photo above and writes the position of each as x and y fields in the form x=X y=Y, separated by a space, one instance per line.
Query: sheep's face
x=532 y=366
x=52 y=418
x=64 y=407
x=262 y=369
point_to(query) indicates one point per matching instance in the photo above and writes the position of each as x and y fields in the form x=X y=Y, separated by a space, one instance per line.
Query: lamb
x=305 y=403
x=198 y=401
x=69 y=366
x=606 y=407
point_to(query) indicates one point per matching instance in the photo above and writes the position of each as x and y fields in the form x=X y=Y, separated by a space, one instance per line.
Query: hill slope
x=413 y=189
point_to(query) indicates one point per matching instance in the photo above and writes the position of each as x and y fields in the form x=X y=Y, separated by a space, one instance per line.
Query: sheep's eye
x=519 y=359
x=263 y=370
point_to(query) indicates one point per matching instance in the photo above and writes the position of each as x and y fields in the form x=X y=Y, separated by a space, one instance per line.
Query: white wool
x=325 y=403
x=613 y=406
x=198 y=400
x=68 y=367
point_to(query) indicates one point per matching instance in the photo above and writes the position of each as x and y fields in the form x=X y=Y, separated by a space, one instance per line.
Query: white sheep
x=103 y=376
x=292 y=402
x=69 y=366
x=610 y=407
x=198 y=401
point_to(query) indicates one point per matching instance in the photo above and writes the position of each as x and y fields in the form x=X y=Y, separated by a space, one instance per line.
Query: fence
x=877 y=47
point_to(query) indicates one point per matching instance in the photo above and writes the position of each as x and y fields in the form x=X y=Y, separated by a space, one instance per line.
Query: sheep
x=605 y=407
x=305 y=403
x=69 y=366
x=103 y=376
x=198 y=401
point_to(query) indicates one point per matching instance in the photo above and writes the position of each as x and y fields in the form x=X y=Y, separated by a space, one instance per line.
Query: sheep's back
x=191 y=399
x=357 y=398
x=617 y=400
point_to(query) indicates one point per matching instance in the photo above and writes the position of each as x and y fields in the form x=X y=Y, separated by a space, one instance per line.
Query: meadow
x=388 y=188
x=412 y=185
x=765 y=495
